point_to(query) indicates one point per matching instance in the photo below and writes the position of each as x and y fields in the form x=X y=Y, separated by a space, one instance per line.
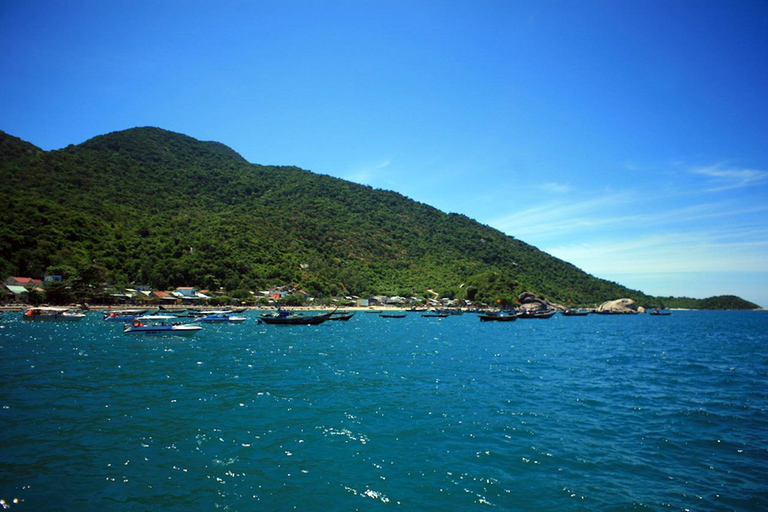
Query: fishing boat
x=575 y=312
x=498 y=317
x=542 y=314
x=52 y=314
x=660 y=312
x=124 y=315
x=160 y=325
x=289 y=318
x=220 y=317
x=435 y=314
x=341 y=316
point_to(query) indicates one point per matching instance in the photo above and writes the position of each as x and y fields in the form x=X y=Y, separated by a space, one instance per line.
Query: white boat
x=124 y=315
x=159 y=325
x=52 y=314
x=220 y=317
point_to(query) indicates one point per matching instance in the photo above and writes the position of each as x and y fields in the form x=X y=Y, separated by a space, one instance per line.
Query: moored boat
x=575 y=312
x=435 y=314
x=52 y=314
x=159 y=325
x=497 y=317
x=220 y=317
x=288 y=318
x=393 y=315
x=542 y=314
x=124 y=315
x=341 y=316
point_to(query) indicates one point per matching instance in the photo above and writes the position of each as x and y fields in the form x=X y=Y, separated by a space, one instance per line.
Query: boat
x=497 y=317
x=220 y=317
x=197 y=313
x=341 y=316
x=52 y=314
x=575 y=312
x=159 y=325
x=537 y=313
x=124 y=315
x=660 y=312
x=288 y=318
x=435 y=314
x=393 y=315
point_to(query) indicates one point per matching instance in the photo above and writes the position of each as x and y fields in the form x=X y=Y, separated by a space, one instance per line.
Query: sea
x=607 y=413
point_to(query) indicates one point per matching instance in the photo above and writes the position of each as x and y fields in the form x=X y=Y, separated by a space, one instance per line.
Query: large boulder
x=618 y=306
x=529 y=300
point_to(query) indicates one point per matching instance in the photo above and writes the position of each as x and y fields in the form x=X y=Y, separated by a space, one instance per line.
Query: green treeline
x=152 y=207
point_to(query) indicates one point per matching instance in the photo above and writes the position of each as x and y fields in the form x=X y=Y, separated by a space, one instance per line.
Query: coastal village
x=20 y=292
x=26 y=290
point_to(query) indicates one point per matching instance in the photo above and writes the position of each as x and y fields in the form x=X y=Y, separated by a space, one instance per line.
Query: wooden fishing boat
x=497 y=317
x=537 y=313
x=287 y=318
x=341 y=316
x=575 y=312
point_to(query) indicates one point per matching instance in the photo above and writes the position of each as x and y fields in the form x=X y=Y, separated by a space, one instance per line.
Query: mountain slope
x=154 y=207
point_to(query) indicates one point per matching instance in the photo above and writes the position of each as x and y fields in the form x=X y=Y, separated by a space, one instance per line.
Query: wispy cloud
x=670 y=254
x=557 y=188
x=370 y=173
x=731 y=178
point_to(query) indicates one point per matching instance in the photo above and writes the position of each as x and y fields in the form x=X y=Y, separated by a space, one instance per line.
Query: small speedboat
x=159 y=325
x=52 y=314
x=660 y=312
x=220 y=318
x=124 y=315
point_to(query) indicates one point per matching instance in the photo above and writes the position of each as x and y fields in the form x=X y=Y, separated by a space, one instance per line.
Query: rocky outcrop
x=619 y=307
x=529 y=300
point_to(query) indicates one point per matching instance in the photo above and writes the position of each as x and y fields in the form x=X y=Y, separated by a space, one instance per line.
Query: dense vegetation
x=148 y=206
x=719 y=302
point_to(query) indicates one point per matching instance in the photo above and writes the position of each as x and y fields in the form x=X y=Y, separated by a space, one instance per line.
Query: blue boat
x=159 y=325
x=220 y=317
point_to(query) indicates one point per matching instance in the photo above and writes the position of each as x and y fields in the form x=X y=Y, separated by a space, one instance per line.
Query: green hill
x=148 y=206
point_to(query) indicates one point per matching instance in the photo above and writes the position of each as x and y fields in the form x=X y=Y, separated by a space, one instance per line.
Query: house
x=20 y=294
x=163 y=297
x=26 y=282
x=185 y=292
x=279 y=293
x=377 y=300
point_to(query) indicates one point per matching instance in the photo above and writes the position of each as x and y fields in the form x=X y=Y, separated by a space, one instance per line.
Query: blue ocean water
x=571 y=413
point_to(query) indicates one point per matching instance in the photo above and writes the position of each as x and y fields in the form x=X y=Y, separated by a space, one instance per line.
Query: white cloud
x=727 y=179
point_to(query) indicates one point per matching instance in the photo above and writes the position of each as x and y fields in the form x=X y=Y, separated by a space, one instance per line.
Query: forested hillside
x=148 y=206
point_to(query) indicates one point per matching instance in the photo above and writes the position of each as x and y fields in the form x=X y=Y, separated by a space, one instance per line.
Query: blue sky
x=629 y=138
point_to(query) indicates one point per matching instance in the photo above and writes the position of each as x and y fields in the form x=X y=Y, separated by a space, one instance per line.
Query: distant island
x=152 y=208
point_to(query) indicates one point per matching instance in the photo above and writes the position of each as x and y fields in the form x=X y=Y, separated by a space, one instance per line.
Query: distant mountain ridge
x=149 y=206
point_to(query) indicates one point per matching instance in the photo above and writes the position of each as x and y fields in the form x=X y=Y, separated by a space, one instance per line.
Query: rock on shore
x=619 y=306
